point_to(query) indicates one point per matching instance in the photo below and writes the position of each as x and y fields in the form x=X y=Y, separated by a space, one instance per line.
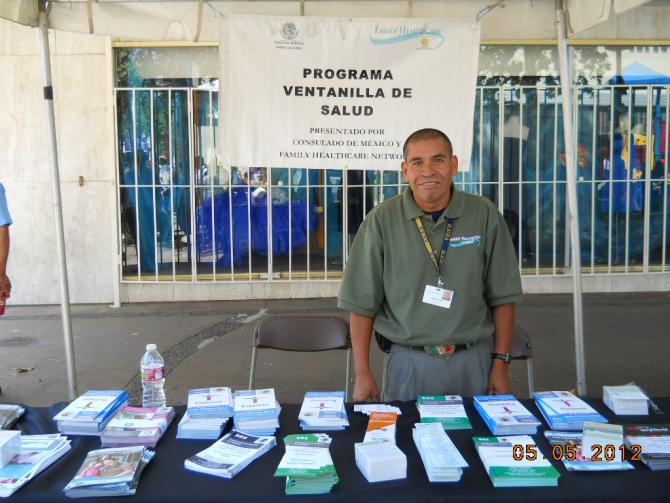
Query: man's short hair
x=426 y=134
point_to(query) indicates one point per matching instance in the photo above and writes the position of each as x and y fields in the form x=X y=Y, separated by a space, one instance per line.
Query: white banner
x=343 y=93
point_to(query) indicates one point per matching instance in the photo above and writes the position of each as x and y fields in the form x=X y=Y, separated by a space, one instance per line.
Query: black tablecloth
x=166 y=480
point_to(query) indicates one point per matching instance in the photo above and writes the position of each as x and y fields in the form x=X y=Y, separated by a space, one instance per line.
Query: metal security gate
x=185 y=218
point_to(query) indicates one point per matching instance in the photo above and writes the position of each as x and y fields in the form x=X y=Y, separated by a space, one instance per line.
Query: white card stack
x=441 y=459
x=627 y=400
x=230 y=455
x=207 y=413
x=323 y=411
x=256 y=412
x=380 y=461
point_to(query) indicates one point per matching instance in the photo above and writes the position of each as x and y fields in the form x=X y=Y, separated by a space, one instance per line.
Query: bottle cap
x=151 y=347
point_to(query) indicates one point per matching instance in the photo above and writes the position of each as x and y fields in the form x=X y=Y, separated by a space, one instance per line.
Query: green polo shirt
x=389 y=268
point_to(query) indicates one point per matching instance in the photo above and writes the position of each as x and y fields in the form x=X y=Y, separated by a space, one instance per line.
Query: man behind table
x=434 y=271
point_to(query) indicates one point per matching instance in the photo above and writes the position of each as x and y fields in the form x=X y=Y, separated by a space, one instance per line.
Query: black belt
x=457 y=347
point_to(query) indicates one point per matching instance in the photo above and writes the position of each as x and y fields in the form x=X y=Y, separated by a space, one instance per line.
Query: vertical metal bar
x=501 y=148
x=191 y=185
x=481 y=141
x=596 y=99
x=248 y=189
x=289 y=186
x=568 y=237
x=138 y=246
x=119 y=182
x=665 y=181
x=345 y=212
x=326 y=224
x=171 y=164
x=520 y=178
x=210 y=173
x=629 y=173
x=566 y=81
x=553 y=208
x=537 y=180
x=153 y=181
x=647 y=181
x=57 y=205
x=270 y=232
x=230 y=224
x=309 y=233
x=611 y=184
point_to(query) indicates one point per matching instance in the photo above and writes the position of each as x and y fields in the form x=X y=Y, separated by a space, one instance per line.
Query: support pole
x=573 y=216
x=56 y=197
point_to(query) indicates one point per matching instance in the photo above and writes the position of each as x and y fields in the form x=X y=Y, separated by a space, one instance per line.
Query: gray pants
x=409 y=373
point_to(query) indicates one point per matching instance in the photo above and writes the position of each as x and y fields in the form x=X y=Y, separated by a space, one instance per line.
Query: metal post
x=58 y=210
x=572 y=196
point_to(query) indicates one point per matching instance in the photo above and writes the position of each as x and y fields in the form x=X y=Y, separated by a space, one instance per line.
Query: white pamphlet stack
x=564 y=411
x=441 y=459
x=447 y=410
x=207 y=413
x=10 y=445
x=651 y=442
x=37 y=453
x=508 y=465
x=603 y=442
x=369 y=408
x=90 y=413
x=230 y=454
x=567 y=446
x=627 y=400
x=109 y=472
x=137 y=426
x=323 y=411
x=256 y=412
x=504 y=415
x=380 y=461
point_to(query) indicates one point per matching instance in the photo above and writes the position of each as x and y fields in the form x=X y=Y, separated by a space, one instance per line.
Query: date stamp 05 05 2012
x=569 y=452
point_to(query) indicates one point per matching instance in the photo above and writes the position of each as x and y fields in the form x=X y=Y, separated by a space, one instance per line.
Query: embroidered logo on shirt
x=457 y=242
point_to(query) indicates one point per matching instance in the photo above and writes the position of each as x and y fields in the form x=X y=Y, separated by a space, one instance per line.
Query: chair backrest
x=522 y=348
x=302 y=333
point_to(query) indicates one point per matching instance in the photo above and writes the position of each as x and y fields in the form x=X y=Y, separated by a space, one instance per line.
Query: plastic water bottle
x=152 y=368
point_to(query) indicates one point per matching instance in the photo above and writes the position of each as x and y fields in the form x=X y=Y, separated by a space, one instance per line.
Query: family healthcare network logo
x=289 y=34
x=425 y=36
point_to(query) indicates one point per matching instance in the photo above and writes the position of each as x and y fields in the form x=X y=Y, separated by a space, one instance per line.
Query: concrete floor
x=627 y=338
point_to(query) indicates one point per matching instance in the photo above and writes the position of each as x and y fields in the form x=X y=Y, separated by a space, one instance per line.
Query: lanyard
x=445 y=246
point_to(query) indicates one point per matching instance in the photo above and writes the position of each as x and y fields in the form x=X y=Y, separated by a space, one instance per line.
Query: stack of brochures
x=369 y=408
x=447 y=410
x=37 y=453
x=441 y=459
x=9 y=414
x=307 y=464
x=381 y=427
x=137 y=426
x=567 y=447
x=230 y=455
x=109 y=472
x=323 y=411
x=649 y=442
x=380 y=461
x=515 y=461
x=627 y=400
x=207 y=413
x=90 y=413
x=504 y=415
x=603 y=442
x=564 y=411
x=256 y=412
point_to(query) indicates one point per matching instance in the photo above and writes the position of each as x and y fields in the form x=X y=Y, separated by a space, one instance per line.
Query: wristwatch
x=506 y=357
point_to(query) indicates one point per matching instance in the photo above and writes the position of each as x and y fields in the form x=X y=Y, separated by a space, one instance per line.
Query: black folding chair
x=302 y=334
x=522 y=349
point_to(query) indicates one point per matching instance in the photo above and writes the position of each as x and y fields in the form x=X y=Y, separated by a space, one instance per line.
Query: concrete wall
x=83 y=82
x=82 y=86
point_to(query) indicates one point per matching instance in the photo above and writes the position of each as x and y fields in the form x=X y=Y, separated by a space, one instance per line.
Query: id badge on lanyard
x=437 y=295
